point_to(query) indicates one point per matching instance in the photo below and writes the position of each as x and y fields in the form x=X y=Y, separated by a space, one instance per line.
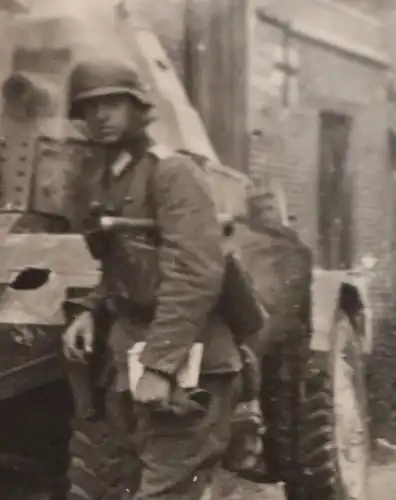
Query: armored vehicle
x=313 y=392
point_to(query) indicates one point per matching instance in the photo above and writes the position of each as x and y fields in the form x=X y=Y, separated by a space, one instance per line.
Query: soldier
x=179 y=452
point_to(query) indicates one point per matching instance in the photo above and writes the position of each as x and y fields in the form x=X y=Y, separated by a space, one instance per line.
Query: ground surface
x=382 y=486
x=382 y=477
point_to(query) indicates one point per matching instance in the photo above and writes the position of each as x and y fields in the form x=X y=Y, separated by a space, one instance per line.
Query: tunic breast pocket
x=143 y=225
x=137 y=267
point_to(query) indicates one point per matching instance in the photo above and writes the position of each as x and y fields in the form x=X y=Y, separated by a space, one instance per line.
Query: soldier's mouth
x=107 y=135
x=106 y=132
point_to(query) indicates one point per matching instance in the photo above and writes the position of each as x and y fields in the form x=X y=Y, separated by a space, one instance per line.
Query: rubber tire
x=283 y=374
x=320 y=473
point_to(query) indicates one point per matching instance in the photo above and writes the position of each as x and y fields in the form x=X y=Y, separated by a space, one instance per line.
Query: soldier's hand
x=153 y=389
x=78 y=337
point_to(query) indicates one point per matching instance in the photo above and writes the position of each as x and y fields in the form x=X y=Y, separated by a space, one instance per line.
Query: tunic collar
x=129 y=156
x=121 y=162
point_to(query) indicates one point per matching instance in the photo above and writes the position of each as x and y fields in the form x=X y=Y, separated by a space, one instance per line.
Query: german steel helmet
x=104 y=77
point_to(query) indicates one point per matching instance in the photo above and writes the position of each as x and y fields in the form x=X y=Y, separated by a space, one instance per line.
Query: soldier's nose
x=102 y=112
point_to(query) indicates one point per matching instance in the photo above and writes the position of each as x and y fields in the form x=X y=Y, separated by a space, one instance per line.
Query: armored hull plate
x=32 y=320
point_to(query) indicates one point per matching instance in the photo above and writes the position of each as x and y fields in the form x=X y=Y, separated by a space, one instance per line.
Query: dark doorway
x=335 y=205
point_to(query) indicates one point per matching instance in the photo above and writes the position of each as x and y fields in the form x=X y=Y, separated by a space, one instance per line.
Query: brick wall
x=286 y=148
x=285 y=145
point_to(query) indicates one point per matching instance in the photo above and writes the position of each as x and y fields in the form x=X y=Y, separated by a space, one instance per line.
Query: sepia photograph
x=197 y=249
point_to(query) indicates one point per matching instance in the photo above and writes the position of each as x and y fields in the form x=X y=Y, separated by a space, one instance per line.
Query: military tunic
x=183 y=276
x=167 y=296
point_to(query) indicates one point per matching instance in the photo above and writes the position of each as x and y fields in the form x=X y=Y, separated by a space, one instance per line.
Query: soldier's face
x=111 y=118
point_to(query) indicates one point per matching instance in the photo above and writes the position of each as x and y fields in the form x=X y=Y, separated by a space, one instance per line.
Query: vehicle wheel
x=284 y=370
x=100 y=450
x=334 y=441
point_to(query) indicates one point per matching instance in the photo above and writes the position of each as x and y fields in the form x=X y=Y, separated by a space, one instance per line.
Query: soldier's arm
x=191 y=263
